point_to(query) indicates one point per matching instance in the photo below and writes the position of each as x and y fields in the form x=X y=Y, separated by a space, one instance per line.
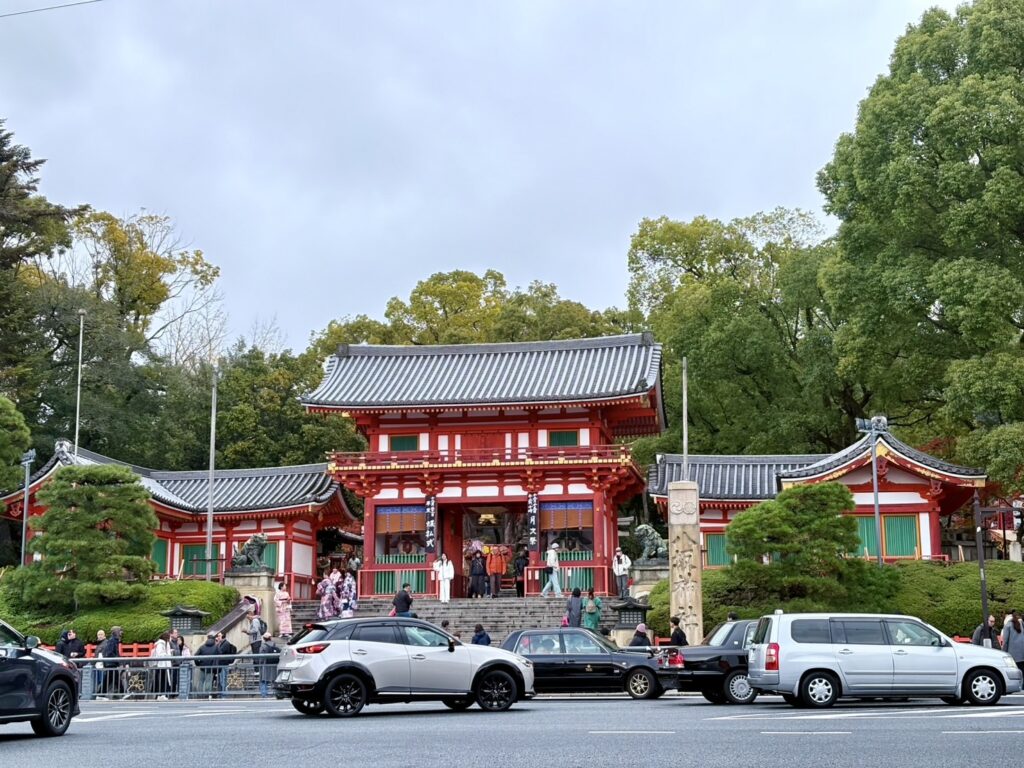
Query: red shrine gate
x=497 y=444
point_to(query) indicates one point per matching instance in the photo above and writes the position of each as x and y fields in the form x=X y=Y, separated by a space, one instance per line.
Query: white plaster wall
x=924 y=534
x=579 y=488
x=388 y=493
x=542 y=438
x=451 y=493
x=585 y=436
x=302 y=559
x=482 y=490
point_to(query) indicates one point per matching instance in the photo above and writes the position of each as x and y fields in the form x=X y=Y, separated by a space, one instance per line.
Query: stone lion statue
x=655 y=547
x=250 y=554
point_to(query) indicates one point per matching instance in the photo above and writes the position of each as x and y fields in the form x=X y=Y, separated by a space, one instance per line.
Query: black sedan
x=717 y=668
x=571 y=660
x=35 y=684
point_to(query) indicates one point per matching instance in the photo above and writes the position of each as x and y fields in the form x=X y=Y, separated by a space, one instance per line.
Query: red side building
x=515 y=444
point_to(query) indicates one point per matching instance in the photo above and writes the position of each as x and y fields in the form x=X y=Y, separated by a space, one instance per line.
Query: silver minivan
x=813 y=659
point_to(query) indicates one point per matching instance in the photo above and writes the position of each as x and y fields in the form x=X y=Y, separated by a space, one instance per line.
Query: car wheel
x=344 y=695
x=819 y=689
x=955 y=701
x=56 y=711
x=982 y=687
x=793 y=701
x=307 y=707
x=495 y=691
x=715 y=697
x=641 y=684
x=458 y=704
x=737 y=689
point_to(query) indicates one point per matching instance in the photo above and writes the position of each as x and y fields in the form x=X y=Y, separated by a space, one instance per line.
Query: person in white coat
x=445 y=572
x=551 y=568
x=620 y=569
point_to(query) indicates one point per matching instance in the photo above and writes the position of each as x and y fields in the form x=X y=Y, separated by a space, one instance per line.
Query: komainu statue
x=655 y=547
x=249 y=555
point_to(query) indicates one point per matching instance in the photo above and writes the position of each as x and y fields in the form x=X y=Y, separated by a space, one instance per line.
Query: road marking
x=606 y=733
x=121 y=716
x=215 y=714
x=805 y=733
x=961 y=733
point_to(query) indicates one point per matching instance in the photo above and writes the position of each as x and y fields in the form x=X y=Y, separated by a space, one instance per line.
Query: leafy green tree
x=95 y=540
x=928 y=189
x=14 y=441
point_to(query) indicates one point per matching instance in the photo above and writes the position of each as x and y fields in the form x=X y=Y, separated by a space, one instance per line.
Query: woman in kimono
x=283 y=608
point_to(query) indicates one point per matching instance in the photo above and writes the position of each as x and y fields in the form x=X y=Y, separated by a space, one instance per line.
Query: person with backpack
x=592 y=611
x=268 y=666
x=257 y=627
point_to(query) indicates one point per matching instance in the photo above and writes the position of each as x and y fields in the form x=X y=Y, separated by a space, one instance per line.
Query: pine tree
x=96 y=536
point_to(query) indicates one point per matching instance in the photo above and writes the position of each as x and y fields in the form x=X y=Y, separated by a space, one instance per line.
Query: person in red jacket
x=497 y=564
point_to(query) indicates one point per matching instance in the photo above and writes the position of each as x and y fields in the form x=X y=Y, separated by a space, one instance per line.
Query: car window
x=309 y=634
x=862 y=632
x=424 y=637
x=578 y=642
x=911 y=633
x=375 y=633
x=764 y=626
x=748 y=636
x=341 y=632
x=719 y=634
x=810 y=631
x=539 y=644
x=9 y=641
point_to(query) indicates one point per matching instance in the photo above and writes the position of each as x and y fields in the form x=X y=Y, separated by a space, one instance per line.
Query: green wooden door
x=270 y=555
x=159 y=556
x=868 y=537
x=900 y=535
x=714 y=543
x=197 y=567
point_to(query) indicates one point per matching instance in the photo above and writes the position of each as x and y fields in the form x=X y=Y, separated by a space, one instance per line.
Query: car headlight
x=524 y=661
x=1008 y=661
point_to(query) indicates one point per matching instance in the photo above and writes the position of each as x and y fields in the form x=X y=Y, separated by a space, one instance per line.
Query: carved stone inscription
x=685 y=564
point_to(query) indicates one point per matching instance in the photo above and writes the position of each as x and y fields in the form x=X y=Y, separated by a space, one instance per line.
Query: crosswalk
x=925 y=711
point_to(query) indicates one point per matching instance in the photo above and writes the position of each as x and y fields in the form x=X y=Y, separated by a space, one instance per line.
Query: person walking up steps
x=592 y=611
x=551 y=569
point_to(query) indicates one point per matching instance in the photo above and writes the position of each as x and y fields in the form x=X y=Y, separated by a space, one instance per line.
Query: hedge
x=141 y=621
x=946 y=596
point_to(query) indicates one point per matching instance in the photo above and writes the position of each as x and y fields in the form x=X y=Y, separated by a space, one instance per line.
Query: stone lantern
x=188 y=621
x=629 y=613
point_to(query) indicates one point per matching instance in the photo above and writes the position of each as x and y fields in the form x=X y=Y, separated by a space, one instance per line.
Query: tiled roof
x=234 y=490
x=365 y=376
x=726 y=477
x=863 y=446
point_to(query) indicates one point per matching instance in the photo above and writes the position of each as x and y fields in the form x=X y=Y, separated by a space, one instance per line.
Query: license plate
x=284 y=677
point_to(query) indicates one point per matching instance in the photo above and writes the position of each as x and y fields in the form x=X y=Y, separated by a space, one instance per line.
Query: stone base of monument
x=259 y=583
x=645 y=575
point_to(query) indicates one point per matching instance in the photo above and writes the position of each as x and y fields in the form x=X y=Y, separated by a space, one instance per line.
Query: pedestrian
x=640 y=638
x=181 y=679
x=328 y=594
x=283 y=609
x=732 y=616
x=986 y=634
x=402 y=601
x=70 y=646
x=173 y=672
x=207 y=667
x=1013 y=639
x=268 y=666
x=519 y=566
x=224 y=648
x=592 y=611
x=479 y=636
x=446 y=626
x=497 y=565
x=444 y=571
x=620 y=569
x=98 y=674
x=349 y=595
x=551 y=569
x=678 y=636
x=574 y=609
x=477 y=575
x=160 y=668
x=255 y=630
x=112 y=669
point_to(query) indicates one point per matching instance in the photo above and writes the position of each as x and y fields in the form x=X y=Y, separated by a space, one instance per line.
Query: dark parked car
x=717 y=668
x=35 y=684
x=571 y=660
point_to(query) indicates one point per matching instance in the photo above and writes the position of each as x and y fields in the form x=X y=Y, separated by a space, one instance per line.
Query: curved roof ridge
x=644 y=338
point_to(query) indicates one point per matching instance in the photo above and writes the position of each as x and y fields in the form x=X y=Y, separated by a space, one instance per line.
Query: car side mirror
x=451 y=646
x=32 y=642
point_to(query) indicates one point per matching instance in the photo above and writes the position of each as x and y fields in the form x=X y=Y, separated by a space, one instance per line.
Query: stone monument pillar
x=684 y=559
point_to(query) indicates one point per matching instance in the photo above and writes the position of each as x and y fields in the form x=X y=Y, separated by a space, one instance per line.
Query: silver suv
x=343 y=665
x=813 y=659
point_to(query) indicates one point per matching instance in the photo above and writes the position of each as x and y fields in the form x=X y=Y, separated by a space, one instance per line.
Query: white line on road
x=605 y=733
x=121 y=716
x=805 y=733
x=961 y=733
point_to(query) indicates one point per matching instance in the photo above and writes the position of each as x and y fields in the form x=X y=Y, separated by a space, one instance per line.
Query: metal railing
x=479 y=457
x=162 y=678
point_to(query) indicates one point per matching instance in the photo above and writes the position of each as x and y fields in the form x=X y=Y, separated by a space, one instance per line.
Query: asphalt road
x=546 y=733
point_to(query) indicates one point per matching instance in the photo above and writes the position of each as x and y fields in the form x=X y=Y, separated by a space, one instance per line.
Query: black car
x=571 y=660
x=35 y=684
x=717 y=668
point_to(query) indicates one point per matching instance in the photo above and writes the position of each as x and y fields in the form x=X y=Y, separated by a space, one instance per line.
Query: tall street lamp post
x=209 y=491
x=26 y=461
x=874 y=427
x=78 y=391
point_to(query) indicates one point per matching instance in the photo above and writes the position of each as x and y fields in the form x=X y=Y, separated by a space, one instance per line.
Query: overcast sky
x=328 y=155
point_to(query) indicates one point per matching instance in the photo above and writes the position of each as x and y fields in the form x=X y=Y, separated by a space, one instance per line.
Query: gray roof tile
x=726 y=477
x=365 y=376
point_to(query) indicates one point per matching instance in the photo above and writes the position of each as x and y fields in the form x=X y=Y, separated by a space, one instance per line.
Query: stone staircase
x=499 y=616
